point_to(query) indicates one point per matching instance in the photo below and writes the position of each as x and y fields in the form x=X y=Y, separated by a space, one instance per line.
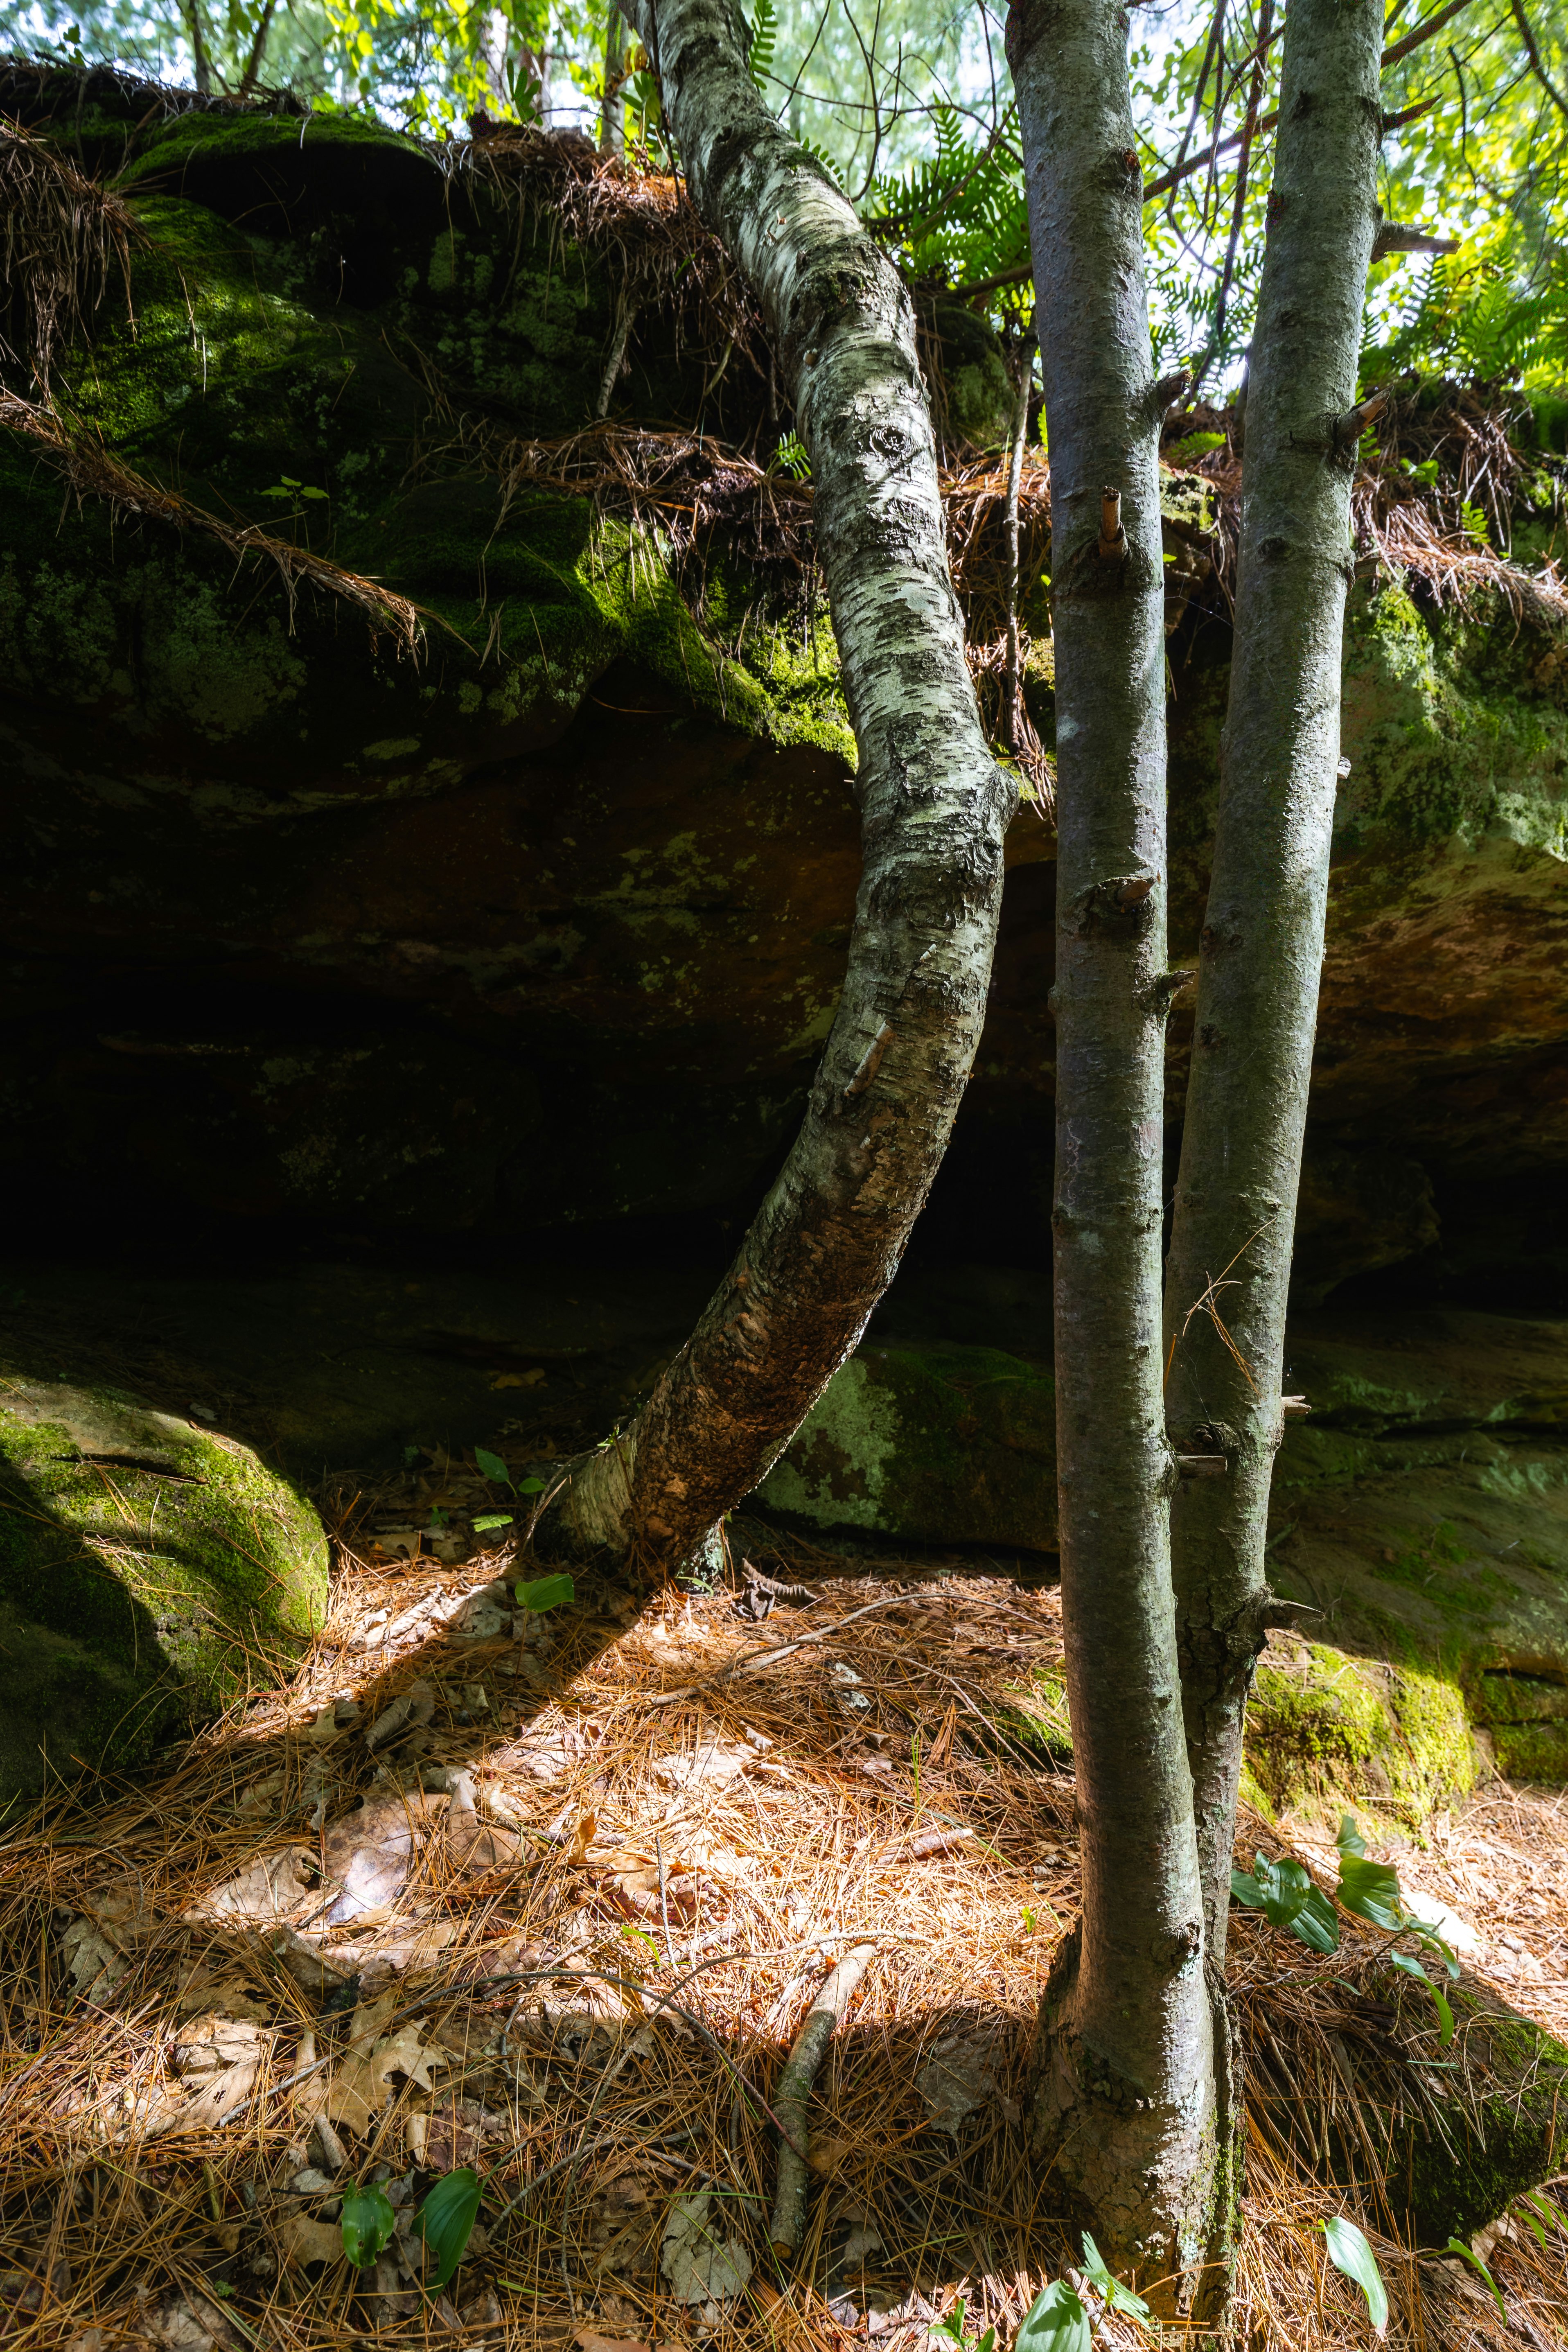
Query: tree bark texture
x=1262 y=946
x=1125 y=2101
x=934 y=804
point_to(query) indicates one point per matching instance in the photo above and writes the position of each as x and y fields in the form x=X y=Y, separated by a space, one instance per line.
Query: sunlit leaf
x=1413 y=1967
x=1056 y=2321
x=1371 y=1889
x=367 y=2223
x=1350 y=1839
x=1115 y=2296
x=1284 y=1893
x=446 y=2219
x=1468 y=2254
x=492 y=1519
x=490 y=1465
x=1349 y=2253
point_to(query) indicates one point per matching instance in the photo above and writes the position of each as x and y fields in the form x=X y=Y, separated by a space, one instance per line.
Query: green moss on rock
x=148 y=1570
x=1328 y=1729
x=1503 y=2136
x=928 y=1446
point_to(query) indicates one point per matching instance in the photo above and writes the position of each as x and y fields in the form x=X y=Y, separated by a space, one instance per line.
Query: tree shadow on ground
x=564 y=1930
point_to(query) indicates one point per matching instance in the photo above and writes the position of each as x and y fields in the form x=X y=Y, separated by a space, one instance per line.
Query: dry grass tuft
x=615 y=1865
x=64 y=240
x=90 y=470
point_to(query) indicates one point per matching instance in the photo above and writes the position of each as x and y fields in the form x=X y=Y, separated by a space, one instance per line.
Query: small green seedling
x=1412 y=1966
x=286 y=487
x=1468 y=2254
x=447 y=2219
x=1536 y=2212
x=953 y=2328
x=1349 y=2253
x=367 y=2223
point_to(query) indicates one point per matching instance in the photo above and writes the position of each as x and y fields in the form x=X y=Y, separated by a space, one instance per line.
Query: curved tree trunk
x=1262 y=943
x=933 y=803
x=1128 y=2106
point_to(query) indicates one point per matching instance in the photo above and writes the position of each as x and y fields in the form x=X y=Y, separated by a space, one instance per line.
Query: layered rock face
x=543 y=921
x=447 y=929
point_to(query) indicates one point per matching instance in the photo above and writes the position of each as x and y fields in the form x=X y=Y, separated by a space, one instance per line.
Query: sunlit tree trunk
x=1129 y=2109
x=1262 y=943
x=933 y=809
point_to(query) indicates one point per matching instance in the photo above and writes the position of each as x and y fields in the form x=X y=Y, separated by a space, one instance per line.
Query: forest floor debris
x=472 y=1896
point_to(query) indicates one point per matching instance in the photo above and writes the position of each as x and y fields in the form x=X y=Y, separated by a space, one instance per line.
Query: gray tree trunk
x=934 y=806
x=1129 y=2105
x=1262 y=942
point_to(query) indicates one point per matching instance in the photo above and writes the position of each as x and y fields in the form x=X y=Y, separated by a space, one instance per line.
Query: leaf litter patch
x=543 y=1897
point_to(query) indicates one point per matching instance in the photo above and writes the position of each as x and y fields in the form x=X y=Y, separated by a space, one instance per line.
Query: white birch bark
x=933 y=805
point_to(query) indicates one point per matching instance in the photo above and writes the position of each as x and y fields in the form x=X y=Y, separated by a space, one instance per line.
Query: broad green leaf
x=1350 y=1839
x=368 y=2222
x=490 y=1465
x=1468 y=2253
x=492 y=1519
x=1371 y=1889
x=446 y=2219
x=1115 y=2296
x=313 y=494
x=1413 y=1967
x=1284 y=1893
x=546 y=1592
x=1349 y=2253
x=1056 y=2321
x=529 y=1486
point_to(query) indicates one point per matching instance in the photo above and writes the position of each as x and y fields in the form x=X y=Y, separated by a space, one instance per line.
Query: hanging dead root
x=91 y=471
x=65 y=239
x=1423 y=531
x=623 y=211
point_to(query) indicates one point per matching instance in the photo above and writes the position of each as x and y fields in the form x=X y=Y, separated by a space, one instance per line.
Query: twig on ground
x=825 y=2014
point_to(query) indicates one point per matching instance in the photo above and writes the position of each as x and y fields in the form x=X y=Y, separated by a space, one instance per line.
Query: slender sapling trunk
x=1128 y=2105
x=1262 y=944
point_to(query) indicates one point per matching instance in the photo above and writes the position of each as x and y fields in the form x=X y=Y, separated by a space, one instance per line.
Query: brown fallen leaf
x=217 y=2060
x=369 y=1853
x=358 y=2088
x=587 y=2341
x=305 y=2241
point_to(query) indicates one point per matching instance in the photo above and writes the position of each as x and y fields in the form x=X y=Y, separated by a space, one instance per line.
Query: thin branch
x=1533 y=54
x=1248 y=133
x=787 y=2226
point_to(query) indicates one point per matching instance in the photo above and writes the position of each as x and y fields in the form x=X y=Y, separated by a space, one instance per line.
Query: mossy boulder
x=1420 y=1518
x=932 y=1445
x=149 y=1571
x=1325 y=1730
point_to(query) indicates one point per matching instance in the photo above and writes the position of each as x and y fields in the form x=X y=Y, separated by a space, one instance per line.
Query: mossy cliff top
x=583 y=862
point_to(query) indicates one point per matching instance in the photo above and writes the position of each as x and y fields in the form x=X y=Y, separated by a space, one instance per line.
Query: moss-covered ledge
x=150 y=1571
